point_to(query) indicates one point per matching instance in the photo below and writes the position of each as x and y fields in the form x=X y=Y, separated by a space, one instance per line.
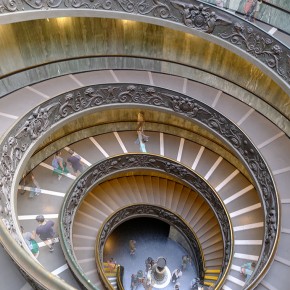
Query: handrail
x=30 y=269
x=18 y=143
x=120 y=274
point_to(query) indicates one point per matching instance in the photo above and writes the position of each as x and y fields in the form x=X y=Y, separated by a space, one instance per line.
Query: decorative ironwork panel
x=51 y=113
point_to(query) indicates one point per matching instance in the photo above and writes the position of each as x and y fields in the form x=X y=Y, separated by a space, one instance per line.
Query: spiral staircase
x=248 y=93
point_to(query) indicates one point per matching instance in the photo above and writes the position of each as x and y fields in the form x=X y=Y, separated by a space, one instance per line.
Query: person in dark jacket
x=45 y=231
x=75 y=161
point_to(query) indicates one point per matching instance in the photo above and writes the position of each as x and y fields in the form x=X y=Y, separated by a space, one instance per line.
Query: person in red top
x=250 y=9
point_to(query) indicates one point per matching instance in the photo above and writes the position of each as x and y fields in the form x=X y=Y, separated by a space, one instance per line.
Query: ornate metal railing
x=103 y=169
x=195 y=16
x=18 y=144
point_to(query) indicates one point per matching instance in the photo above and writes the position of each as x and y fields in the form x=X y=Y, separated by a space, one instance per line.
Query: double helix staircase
x=113 y=195
x=235 y=189
x=245 y=210
x=237 y=192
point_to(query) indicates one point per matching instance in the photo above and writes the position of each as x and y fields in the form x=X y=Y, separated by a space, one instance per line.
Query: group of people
x=74 y=160
x=177 y=273
x=60 y=166
x=146 y=280
x=137 y=280
x=30 y=183
x=46 y=233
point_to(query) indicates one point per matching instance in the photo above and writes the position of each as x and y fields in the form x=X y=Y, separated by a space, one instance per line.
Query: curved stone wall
x=42 y=46
x=193 y=17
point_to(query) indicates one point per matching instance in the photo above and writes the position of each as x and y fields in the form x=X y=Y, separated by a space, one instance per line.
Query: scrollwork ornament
x=38 y=122
x=152 y=97
x=89 y=4
x=36 y=4
x=9 y=6
x=9 y=224
x=159 y=9
x=176 y=170
x=127 y=5
x=199 y=16
x=188 y=106
x=92 y=98
x=271 y=226
x=260 y=46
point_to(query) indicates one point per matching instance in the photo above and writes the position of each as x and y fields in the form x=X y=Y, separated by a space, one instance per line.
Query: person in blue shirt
x=247 y=269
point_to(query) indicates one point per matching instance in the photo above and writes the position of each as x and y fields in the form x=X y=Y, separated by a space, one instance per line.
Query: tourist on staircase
x=29 y=238
x=75 y=162
x=132 y=246
x=59 y=166
x=185 y=261
x=141 y=137
x=176 y=274
x=45 y=231
x=30 y=181
x=247 y=269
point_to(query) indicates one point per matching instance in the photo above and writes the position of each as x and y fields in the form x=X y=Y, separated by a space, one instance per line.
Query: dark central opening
x=143 y=227
x=154 y=238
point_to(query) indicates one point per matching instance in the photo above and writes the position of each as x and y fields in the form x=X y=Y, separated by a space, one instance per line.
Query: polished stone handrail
x=191 y=16
x=128 y=162
x=18 y=144
x=120 y=273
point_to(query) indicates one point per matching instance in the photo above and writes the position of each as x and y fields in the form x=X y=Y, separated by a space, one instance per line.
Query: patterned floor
x=152 y=240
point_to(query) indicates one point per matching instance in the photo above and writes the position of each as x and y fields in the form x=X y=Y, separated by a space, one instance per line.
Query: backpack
x=55 y=163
